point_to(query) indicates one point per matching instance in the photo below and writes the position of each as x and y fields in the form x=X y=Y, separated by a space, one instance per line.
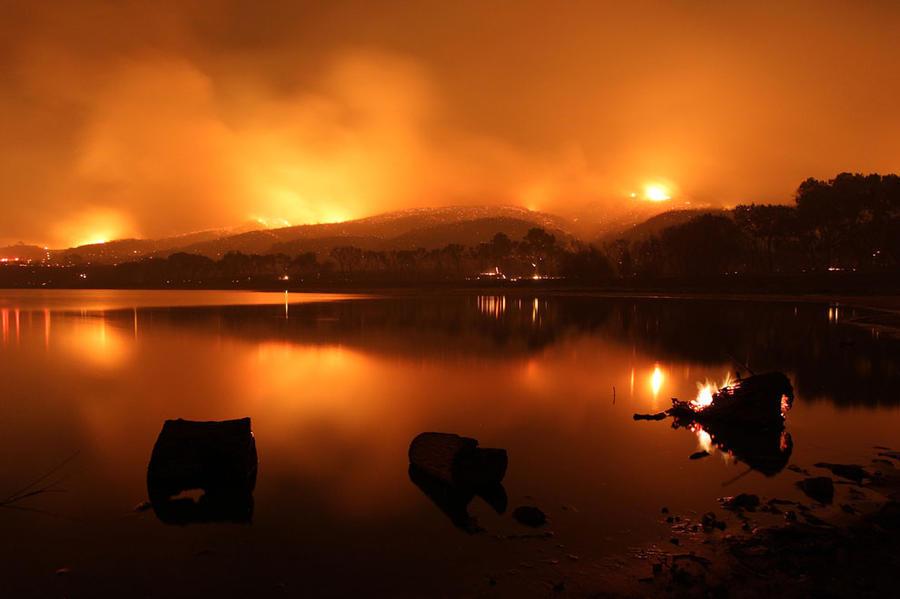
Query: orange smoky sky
x=148 y=118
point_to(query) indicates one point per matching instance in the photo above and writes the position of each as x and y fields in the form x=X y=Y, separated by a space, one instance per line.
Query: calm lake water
x=337 y=387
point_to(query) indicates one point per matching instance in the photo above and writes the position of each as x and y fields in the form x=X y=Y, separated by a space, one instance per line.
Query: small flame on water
x=706 y=390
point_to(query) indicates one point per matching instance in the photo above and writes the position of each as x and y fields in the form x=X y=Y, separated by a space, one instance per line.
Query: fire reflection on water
x=492 y=305
x=657 y=378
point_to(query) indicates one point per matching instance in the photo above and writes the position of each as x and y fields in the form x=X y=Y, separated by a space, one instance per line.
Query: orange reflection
x=704 y=441
x=495 y=305
x=657 y=378
x=92 y=340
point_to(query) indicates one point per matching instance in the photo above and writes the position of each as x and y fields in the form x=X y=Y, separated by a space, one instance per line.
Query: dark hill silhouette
x=658 y=223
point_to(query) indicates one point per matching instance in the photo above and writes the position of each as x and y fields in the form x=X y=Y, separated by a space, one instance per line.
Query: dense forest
x=848 y=224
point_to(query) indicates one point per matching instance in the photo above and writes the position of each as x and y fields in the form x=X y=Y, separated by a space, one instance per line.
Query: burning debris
x=759 y=400
x=744 y=418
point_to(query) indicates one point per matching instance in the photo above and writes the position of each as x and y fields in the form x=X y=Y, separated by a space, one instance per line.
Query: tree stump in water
x=218 y=458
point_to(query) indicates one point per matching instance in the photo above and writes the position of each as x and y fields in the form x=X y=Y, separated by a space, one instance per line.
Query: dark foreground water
x=337 y=387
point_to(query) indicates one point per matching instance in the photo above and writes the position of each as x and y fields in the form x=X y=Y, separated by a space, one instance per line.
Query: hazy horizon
x=147 y=120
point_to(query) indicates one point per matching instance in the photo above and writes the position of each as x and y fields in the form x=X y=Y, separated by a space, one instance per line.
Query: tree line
x=849 y=223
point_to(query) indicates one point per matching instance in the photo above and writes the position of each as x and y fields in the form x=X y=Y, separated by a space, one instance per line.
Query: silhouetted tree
x=705 y=245
x=347 y=257
x=589 y=265
x=770 y=226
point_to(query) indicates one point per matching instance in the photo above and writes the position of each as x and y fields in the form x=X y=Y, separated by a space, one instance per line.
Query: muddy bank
x=766 y=546
x=846 y=544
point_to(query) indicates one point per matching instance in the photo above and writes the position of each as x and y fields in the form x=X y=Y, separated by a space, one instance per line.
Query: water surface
x=337 y=386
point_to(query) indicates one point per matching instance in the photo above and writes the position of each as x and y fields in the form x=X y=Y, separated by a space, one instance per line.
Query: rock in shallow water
x=530 y=516
x=742 y=501
x=820 y=488
x=853 y=472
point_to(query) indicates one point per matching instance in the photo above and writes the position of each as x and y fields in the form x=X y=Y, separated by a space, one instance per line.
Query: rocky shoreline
x=756 y=546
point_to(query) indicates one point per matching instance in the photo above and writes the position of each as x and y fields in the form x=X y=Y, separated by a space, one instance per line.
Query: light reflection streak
x=492 y=305
x=657 y=378
x=46 y=328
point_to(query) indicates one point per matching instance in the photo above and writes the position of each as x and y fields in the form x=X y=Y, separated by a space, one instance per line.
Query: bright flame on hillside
x=656 y=192
x=706 y=390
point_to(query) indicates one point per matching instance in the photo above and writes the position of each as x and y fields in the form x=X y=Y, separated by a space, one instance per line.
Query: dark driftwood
x=218 y=458
x=657 y=416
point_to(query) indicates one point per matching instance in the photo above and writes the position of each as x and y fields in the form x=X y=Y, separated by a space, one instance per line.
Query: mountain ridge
x=408 y=229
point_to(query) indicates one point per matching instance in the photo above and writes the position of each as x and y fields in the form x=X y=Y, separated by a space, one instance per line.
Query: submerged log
x=218 y=458
x=452 y=470
x=457 y=460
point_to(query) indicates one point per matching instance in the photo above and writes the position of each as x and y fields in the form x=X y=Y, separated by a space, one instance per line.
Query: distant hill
x=122 y=250
x=23 y=252
x=656 y=224
x=407 y=229
x=427 y=228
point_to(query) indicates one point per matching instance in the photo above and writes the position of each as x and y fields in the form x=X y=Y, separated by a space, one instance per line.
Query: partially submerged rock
x=530 y=515
x=819 y=488
x=218 y=458
x=710 y=522
x=852 y=472
x=742 y=501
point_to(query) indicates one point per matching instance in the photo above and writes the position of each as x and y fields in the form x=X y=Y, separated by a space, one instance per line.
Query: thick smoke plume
x=149 y=119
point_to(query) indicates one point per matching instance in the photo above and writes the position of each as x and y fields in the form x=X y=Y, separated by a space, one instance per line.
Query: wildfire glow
x=706 y=390
x=656 y=192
